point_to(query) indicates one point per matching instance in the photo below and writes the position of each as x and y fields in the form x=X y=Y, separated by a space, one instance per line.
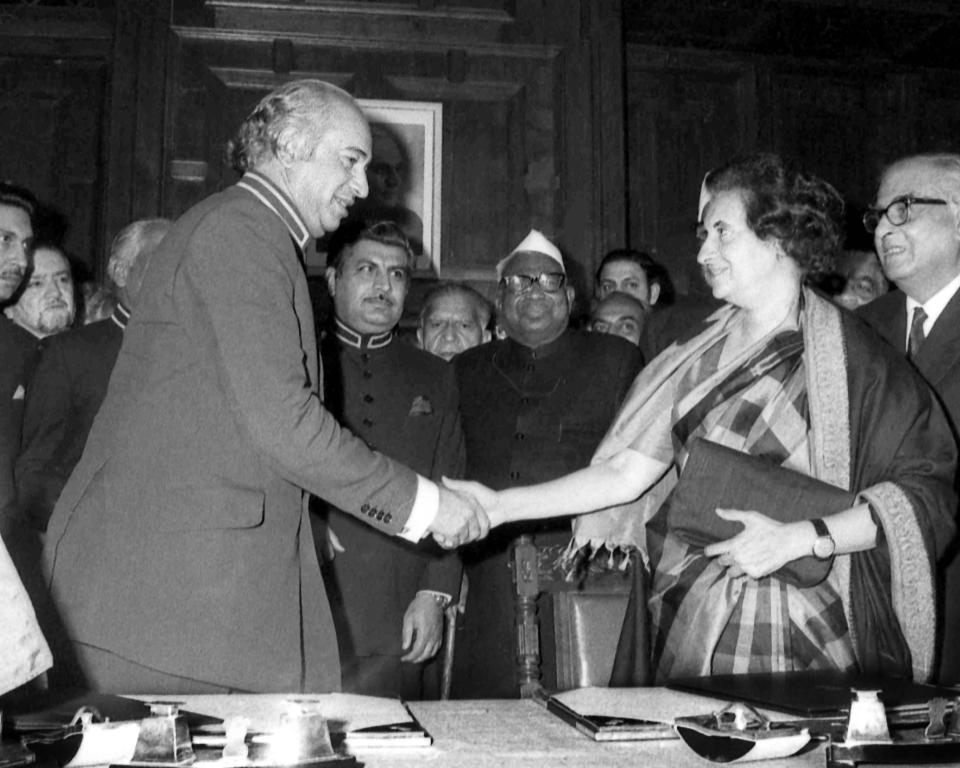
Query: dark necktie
x=916 y=332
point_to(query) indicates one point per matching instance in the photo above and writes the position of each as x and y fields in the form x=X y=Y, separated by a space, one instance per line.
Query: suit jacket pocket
x=200 y=508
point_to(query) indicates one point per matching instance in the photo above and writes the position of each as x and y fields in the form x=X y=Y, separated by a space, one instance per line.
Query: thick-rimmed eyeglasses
x=549 y=282
x=897 y=212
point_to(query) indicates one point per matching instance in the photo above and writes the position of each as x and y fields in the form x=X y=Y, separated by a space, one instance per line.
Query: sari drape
x=838 y=406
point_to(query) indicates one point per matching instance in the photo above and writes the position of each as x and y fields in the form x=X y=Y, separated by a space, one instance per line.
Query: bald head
x=621 y=315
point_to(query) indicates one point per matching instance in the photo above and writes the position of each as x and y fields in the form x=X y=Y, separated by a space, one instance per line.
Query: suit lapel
x=892 y=325
x=941 y=349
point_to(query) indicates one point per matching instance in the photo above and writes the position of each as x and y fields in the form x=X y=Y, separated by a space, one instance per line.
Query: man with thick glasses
x=534 y=405
x=916 y=229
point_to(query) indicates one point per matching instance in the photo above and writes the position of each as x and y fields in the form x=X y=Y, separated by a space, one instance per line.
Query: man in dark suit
x=23 y=651
x=70 y=381
x=534 y=407
x=180 y=551
x=387 y=595
x=916 y=226
x=17 y=207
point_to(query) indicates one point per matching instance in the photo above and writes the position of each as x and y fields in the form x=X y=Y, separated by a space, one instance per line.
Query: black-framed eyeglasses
x=549 y=282
x=897 y=212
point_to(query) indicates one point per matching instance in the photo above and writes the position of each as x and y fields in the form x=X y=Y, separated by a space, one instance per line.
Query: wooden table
x=497 y=733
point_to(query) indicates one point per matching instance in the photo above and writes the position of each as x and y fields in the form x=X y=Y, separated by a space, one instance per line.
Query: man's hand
x=459 y=520
x=422 y=628
x=488 y=498
x=763 y=546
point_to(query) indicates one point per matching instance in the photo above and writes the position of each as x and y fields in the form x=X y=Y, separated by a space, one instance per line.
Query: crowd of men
x=255 y=503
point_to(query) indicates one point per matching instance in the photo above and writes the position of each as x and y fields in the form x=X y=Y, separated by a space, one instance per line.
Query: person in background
x=71 y=378
x=781 y=373
x=454 y=318
x=46 y=305
x=864 y=279
x=620 y=314
x=24 y=653
x=534 y=406
x=17 y=208
x=43 y=306
x=180 y=552
x=916 y=230
x=388 y=597
x=635 y=273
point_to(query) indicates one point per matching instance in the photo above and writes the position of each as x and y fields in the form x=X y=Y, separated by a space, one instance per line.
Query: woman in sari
x=777 y=372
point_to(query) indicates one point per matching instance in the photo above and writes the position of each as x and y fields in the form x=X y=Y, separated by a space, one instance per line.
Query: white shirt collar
x=934 y=306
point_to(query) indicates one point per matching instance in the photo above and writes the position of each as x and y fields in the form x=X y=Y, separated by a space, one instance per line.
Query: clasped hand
x=762 y=547
x=464 y=515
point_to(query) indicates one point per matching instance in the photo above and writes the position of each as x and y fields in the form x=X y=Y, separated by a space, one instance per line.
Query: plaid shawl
x=771 y=397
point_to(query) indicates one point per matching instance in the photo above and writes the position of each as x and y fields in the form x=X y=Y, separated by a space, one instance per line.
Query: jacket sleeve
x=244 y=281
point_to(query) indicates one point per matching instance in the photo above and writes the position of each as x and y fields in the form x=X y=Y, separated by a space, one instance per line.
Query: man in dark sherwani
x=534 y=407
x=387 y=595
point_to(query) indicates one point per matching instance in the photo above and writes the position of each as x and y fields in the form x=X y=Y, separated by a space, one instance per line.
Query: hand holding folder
x=716 y=476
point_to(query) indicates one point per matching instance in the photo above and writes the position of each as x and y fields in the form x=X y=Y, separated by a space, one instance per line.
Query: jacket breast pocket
x=206 y=508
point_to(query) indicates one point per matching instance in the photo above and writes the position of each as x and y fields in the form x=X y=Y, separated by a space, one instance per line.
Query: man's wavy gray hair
x=295 y=116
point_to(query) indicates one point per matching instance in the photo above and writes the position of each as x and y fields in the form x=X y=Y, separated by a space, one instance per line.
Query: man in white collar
x=180 y=551
x=387 y=596
x=916 y=227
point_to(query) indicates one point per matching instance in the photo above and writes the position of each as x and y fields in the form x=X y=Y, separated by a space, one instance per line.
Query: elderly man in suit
x=916 y=227
x=180 y=551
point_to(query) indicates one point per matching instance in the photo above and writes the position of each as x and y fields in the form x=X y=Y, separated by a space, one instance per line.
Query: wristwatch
x=823 y=546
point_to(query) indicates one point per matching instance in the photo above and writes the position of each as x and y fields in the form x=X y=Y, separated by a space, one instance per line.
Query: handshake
x=465 y=514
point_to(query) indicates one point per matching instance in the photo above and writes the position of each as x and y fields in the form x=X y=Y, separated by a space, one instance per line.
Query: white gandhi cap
x=535 y=242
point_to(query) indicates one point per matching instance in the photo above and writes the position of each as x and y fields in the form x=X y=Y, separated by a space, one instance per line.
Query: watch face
x=823 y=547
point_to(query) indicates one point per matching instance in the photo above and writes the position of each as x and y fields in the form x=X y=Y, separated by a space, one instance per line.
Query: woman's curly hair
x=297 y=113
x=797 y=209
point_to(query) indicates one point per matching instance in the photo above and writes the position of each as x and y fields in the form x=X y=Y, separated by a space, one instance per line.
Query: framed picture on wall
x=403 y=177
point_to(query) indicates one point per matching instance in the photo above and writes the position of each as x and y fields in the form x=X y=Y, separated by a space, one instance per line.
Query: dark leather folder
x=716 y=476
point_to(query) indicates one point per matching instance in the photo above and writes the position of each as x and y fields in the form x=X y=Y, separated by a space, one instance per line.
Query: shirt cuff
x=425 y=508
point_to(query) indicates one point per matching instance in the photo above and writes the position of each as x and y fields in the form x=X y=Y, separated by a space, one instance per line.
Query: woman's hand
x=763 y=546
x=487 y=498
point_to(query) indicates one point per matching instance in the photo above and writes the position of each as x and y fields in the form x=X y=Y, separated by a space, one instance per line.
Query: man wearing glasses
x=916 y=229
x=533 y=405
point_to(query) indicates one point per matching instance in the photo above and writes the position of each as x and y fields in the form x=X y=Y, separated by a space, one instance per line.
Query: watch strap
x=820 y=527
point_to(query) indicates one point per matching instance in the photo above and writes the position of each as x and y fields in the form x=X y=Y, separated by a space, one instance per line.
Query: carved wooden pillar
x=527 y=587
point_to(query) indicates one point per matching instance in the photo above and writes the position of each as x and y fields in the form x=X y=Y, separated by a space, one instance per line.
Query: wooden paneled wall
x=531 y=93
x=689 y=111
x=549 y=119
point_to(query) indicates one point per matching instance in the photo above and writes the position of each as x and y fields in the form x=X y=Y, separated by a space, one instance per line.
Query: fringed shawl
x=840 y=454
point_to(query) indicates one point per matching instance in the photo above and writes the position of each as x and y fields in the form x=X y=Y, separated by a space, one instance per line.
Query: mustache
x=381 y=297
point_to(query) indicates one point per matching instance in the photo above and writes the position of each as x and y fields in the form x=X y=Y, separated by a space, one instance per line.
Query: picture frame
x=404 y=177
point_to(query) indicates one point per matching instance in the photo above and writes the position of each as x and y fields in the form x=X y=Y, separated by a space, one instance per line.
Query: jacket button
x=514 y=475
x=519 y=436
x=368 y=398
x=387 y=517
x=372 y=512
x=367 y=423
x=380 y=515
x=368 y=374
x=364 y=507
